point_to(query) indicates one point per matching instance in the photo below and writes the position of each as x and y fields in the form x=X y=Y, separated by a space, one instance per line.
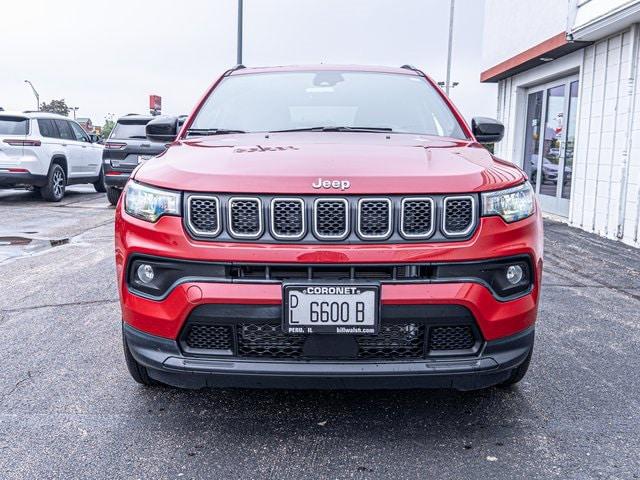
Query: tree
x=56 y=106
x=108 y=126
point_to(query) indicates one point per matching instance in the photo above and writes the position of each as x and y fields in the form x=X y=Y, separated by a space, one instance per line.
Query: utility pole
x=450 y=48
x=239 y=57
x=35 y=93
x=74 y=111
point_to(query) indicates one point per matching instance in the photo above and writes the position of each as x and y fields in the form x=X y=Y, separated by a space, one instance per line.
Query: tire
x=99 y=184
x=519 y=372
x=54 y=190
x=113 y=194
x=137 y=371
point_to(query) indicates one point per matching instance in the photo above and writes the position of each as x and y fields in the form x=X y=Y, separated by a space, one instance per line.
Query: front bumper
x=166 y=363
x=167 y=239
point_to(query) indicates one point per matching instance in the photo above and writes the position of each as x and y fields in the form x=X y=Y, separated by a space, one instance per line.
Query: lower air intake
x=455 y=337
x=268 y=340
x=209 y=337
x=395 y=341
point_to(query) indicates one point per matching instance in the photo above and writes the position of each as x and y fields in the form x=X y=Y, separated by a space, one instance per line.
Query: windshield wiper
x=335 y=129
x=212 y=131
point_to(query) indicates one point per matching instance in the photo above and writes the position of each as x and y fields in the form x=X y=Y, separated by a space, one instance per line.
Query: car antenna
x=233 y=69
x=406 y=66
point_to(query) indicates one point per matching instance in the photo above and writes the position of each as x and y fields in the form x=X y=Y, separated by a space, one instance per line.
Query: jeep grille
x=313 y=219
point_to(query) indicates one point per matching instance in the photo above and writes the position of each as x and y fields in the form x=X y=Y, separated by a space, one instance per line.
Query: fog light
x=514 y=274
x=145 y=273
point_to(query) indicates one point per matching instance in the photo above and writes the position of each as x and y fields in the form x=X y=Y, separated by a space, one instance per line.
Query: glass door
x=532 y=136
x=549 y=142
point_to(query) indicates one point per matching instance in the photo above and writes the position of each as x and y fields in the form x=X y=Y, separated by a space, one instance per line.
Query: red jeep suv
x=328 y=227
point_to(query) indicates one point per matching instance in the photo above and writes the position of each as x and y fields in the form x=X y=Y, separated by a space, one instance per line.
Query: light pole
x=239 y=56
x=74 y=111
x=35 y=92
x=450 y=47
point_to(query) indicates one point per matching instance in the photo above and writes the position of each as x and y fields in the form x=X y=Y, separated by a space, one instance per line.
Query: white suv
x=47 y=152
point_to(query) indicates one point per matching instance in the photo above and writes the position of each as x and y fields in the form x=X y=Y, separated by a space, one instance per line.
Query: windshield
x=129 y=130
x=14 y=126
x=354 y=101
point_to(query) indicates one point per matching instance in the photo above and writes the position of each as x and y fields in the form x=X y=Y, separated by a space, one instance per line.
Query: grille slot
x=331 y=218
x=245 y=217
x=453 y=337
x=417 y=220
x=288 y=218
x=204 y=215
x=459 y=216
x=210 y=337
x=374 y=218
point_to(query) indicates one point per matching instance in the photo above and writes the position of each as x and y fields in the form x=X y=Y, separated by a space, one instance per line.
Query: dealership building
x=569 y=97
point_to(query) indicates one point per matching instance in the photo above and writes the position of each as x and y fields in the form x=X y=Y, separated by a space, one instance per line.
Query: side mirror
x=162 y=129
x=487 y=130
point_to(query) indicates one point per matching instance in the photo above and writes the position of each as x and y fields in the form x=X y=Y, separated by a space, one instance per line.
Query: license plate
x=144 y=158
x=341 y=308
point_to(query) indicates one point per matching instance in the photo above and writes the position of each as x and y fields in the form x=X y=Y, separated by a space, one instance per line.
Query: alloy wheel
x=58 y=182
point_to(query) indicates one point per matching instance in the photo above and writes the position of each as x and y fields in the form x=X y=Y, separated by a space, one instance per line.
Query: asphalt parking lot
x=68 y=408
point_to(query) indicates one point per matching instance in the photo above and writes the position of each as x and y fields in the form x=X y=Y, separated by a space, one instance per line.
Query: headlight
x=148 y=203
x=511 y=204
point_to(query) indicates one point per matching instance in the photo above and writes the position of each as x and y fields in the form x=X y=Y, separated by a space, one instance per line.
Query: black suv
x=126 y=147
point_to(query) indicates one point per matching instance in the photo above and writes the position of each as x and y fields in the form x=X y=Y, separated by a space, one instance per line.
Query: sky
x=109 y=60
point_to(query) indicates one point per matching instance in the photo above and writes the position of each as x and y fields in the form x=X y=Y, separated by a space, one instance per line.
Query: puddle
x=14 y=241
x=11 y=247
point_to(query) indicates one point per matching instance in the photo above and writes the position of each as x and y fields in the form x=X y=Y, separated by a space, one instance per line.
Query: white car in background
x=47 y=152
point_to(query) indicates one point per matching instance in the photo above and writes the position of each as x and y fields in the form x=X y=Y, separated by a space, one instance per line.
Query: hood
x=290 y=163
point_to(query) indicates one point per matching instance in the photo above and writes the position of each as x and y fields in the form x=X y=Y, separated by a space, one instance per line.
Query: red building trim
x=553 y=47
